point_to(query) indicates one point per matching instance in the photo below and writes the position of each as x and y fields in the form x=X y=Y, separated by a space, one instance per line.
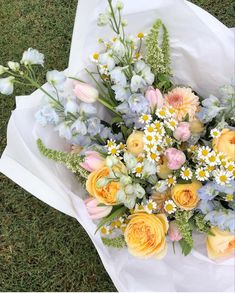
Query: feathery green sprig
x=116 y=242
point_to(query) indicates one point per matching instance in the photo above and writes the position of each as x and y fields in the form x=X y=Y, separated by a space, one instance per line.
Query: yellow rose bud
x=185 y=195
x=196 y=126
x=221 y=245
x=104 y=194
x=135 y=143
x=145 y=235
x=163 y=170
x=225 y=143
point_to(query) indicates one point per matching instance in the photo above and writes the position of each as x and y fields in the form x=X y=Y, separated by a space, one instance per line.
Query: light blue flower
x=118 y=76
x=81 y=140
x=47 y=115
x=79 y=127
x=107 y=59
x=208 y=191
x=116 y=136
x=121 y=93
x=137 y=82
x=138 y=104
x=224 y=219
x=142 y=69
x=7 y=85
x=105 y=132
x=229 y=188
x=87 y=109
x=123 y=108
x=56 y=78
x=32 y=56
x=118 y=49
x=212 y=101
x=130 y=160
x=71 y=106
x=205 y=206
x=93 y=126
x=149 y=168
x=64 y=131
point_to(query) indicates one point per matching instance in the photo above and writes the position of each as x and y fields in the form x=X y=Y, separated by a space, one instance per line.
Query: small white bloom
x=203 y=152
x=171 y=123
x=137 y=82
x=170 y=206
x=71 y=106
x=108 y=60
x=202 y=174
x=31 y=57
x=119 y=5
x=171 y=180
x=64 y=131
x=103 y=19
x=222 y=177
x=138 y=170
x=14 y=66
x=106 y=230
x=124 y=22
x=150 y=206
x=229 y=197
x=145 y=118
x=118 y=49
x=212 y=159
x=95 y=57
x=139 y=208
x=161 y=113
x=3 y=69
x=56 y=78
x=186 y=173
x=6 y=85
x=153 y=156
x=161 y=186
x=215 y=133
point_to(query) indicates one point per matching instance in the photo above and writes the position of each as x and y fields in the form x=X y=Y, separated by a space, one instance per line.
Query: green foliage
x=115 y=213
x=116 y=242
x=158 y=55
x=185 y=227
x=71 y=161
x=200 y=224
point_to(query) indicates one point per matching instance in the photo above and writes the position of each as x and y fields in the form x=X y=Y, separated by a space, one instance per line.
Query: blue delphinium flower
x=47 y=115
x=224 y=219
x=79 y=127
x=208 y=191
x=138 y=103
x=93 y=126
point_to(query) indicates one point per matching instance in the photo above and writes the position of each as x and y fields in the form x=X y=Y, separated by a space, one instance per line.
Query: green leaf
x=116 y=242
x=116 y=213
x=182 y=181
x=116 y=120
x=185 y=246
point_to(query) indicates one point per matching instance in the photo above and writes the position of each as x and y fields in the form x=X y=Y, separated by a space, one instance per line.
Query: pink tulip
x=85 y=92
x=182 y=132
x=155 y=98
x=95 y=211
x=175 y=158
x=93 y=161
x=174 y=233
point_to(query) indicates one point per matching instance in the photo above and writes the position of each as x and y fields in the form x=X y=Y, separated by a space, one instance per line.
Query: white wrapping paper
x=202 y=51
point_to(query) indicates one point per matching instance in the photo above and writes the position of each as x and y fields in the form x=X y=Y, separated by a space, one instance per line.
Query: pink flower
x=173 y=232
x=95 y=211
x=155 y=98
x=182 y=132
x=93 y=161
x=85 y=92
x=175 y=158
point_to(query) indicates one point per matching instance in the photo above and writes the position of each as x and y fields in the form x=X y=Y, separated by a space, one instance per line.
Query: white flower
x=71 y=106
x=108 y=60
x=212 y=159
x=95 y=57
x=106 y=230
x=145 y=118
x=230 y=167
x=32 y=56
x=229 y=197
x=137 y=82
x=118 y=49
x=170 y=206
x=171 y=180
x=150 y=206
x=130 y=160
x=103 y=19
x=203 y=152
x=186 y=173
x=118 y=77
x=14 y=66
x=150 y=128
x=202 y=174
x=139 y=208
x=171 y=123
x=222 y=177
x=161 y=113
x=119 y=5
x=6 y=85
x=138 y=170
x=64 y=131
x=153 y=156
x=3 y=69
x=56 y=78
x=215 y=133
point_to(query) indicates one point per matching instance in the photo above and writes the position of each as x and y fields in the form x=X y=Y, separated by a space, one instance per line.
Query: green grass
x=40 y=248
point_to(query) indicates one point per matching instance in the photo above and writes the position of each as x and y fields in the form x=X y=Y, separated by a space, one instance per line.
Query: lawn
x=42 y=249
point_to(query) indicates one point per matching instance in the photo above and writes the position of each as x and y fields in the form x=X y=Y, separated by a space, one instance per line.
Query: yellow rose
x=163 y=170
x=106 y=194
x=145 y=235
x=225 y=143
x=196 y=126
x=185 y=195
x=221 y=245
x=135 y=143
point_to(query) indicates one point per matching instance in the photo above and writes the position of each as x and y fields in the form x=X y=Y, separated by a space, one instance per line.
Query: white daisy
x=215 y=133
x=170 y=112
x=230 y=166
x=161 y=113
x=167 y=141
x=95 y=57
x=222 y=177
x=145 y=118
x=138 y=170
x=114 y=150
x=150 y=128
x=171 y=180
x=106 y=230
x=153 y=156
x=171 y=124
x=229 y=197
x=202 y=174
x=149 y=138
x=139 y=208
x=170 y=206
x=150 y=206
x=212 y=159
x=186 y=173
x=203 y=152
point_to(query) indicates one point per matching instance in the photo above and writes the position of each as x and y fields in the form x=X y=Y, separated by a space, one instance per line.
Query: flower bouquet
x=159 y=164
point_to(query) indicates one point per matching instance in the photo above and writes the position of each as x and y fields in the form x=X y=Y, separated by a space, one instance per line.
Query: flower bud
x=175 y=158
x=155 y=98
x=182 y=132
x=173 y=232
x=93 y=161
x=14 y=66
x=94 y=210
x=85 y=92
